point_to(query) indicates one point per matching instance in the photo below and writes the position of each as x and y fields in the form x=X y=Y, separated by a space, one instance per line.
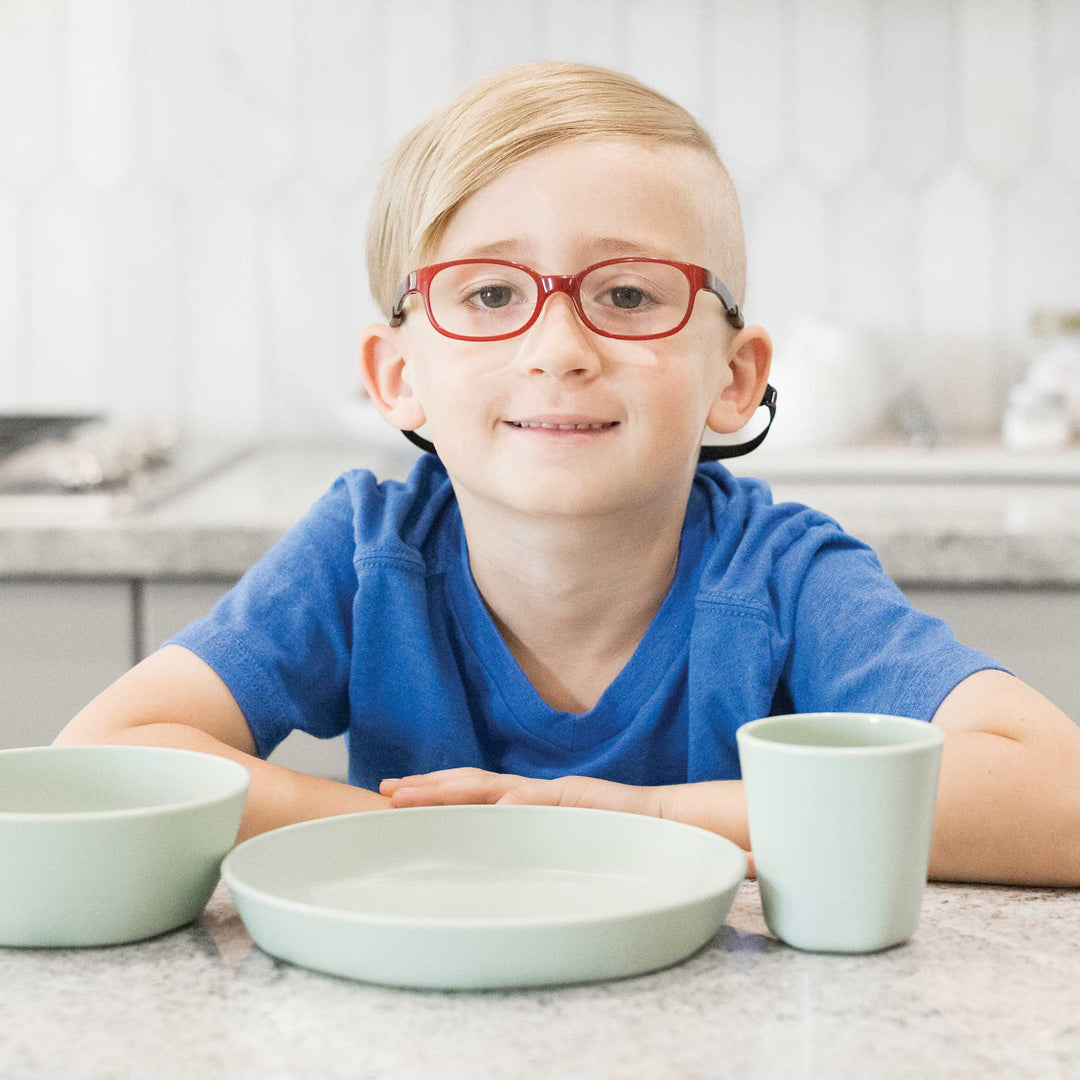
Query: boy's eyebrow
x=589 y=246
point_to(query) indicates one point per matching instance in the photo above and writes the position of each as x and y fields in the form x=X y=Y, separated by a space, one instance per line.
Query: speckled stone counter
x=986 y=987
x=986 y=526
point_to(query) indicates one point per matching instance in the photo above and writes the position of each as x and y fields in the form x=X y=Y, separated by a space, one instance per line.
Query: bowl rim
x=241 y=785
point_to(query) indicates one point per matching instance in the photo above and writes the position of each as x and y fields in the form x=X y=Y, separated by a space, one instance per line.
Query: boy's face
x=563 y=209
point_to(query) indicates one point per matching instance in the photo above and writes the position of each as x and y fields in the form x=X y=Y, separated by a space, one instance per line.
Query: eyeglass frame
x=419 y=280
x=698 y=278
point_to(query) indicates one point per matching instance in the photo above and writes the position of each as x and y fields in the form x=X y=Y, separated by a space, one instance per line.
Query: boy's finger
x=462 y=789
x=470 y=775
x=430 y=796
x=534 y=793
x=438 y=775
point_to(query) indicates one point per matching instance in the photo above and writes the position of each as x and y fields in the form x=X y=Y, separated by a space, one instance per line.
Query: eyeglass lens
x=487 y=299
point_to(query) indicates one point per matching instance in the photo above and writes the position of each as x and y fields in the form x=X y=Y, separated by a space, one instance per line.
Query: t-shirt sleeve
x=281 y=638
x=857 y=643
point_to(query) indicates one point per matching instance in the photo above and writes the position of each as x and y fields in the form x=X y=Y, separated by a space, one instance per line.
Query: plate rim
x=239 y=887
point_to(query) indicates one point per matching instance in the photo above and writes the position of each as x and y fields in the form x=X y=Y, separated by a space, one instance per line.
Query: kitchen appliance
x=87 y=463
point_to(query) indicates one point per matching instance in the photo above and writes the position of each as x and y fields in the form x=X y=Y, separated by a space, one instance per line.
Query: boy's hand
x=468 y=785
x=453 y=786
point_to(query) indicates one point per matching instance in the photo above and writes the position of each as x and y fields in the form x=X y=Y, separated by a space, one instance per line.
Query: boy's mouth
x=534 y=425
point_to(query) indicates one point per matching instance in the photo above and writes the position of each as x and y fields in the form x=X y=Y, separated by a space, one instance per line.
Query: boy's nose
x=559 y=342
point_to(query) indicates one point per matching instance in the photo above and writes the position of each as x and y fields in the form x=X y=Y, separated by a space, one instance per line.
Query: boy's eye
x=492 y=296
x=626 y=296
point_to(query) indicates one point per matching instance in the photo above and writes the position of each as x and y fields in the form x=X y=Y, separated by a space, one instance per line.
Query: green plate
x=472 y=897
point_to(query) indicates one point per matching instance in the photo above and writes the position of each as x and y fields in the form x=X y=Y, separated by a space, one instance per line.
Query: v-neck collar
x=663 y=641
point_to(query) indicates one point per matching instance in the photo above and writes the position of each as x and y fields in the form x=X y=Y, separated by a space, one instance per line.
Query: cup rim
x=935 y=737
x=240 y=785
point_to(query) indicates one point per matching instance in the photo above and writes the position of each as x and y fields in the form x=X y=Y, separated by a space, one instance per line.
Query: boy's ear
x=386 y=379
x=749 y=360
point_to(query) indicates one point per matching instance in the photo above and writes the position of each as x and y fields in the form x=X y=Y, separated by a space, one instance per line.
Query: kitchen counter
x=963 y=518
x=987 y=986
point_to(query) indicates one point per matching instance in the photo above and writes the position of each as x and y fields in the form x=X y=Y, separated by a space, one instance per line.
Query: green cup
x=841 y=811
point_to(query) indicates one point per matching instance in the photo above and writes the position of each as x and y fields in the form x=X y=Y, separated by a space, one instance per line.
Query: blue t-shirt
x=364 y=619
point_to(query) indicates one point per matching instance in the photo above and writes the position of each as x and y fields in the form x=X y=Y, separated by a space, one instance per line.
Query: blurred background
x=184 y=186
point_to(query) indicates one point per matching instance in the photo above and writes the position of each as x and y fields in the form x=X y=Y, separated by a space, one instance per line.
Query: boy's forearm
x=277 y=796
x=1004 y=814
x=716 y=805
x=1007 y=812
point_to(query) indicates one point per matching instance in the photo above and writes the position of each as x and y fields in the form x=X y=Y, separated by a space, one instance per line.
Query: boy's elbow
x=171 y=698
x=90 y=728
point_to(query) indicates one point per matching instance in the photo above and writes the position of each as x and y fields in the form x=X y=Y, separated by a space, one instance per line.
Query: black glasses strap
x=707 y=453
x=715 y=453
x=420 y=441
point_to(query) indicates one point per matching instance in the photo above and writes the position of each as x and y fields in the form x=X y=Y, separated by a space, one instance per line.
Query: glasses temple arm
x=731 y=309
x=397 y=312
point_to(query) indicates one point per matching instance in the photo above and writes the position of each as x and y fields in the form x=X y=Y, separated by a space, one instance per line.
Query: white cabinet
x=61 y=644
x=164 y=607
x=1033 y=632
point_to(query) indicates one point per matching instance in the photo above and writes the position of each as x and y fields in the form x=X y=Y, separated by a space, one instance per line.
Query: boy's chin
x=575 y=498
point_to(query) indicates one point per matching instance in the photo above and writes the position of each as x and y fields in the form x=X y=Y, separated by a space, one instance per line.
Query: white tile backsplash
x=303 y=255
x=915 y=99
x=29 y=125
x=1062 y=31
x=1042 y=246
x=181 y=85
x=184 y=185
x=342 y=97
x=143 y=339
x=833 y=107
x=959 y=251
x=875 y=215
x=417 y=50
x=98 y=59
x=663 y=49
x=227 y=377
x=748 y=75
x=358 y=307
x=998 y=84
x=790 y=274
x=591 y=33
x=491 y=37
x=11 y=299
x=65 y=293
x=1063 y=124
x=258 y=118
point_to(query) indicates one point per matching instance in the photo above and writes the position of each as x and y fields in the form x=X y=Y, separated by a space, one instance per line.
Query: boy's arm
x=173 y=698
x=1008 y=802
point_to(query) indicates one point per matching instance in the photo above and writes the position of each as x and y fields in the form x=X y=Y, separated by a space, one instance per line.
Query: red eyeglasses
x=629 y=298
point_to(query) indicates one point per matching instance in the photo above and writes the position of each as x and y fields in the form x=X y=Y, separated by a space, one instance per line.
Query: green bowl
x=101 y=845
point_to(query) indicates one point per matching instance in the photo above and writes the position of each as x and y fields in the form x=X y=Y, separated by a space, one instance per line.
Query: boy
x=562 y=605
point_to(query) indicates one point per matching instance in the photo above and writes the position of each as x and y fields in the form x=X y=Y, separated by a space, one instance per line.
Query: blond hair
x=497 y=121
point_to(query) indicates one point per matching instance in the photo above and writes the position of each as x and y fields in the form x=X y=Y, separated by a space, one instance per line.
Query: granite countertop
x=986 y=986
x=951 y=517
